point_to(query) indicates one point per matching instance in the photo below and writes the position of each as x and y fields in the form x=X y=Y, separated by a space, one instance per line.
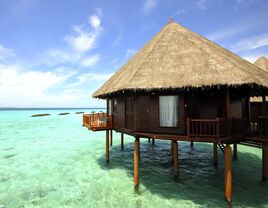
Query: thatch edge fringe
x=177 y=90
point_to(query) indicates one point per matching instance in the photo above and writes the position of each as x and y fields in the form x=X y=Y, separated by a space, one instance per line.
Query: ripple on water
x=9 y=156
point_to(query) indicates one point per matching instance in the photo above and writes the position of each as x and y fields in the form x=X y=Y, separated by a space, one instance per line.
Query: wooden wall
x=119 y=113
x=141 y=113
x=256 y=110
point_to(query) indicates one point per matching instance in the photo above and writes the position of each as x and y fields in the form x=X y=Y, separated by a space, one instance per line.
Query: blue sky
x=56 y=53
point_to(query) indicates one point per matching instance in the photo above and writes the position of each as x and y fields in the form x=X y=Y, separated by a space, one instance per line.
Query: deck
x=98 y=121
x=198 y=130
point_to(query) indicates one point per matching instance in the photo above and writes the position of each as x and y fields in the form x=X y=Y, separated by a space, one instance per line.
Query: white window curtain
x=110 y=107
x=168 y=107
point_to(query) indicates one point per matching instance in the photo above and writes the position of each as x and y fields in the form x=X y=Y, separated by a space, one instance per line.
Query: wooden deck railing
x=98 y=121
x=203 y=127
x=216 y=127
x=262 y=125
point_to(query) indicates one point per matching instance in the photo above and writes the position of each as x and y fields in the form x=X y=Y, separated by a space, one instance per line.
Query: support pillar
x=153 y=142
x=172 y=153
x=228 y=172
x=192 y=144
x=215 y=154
x=107 y=146
x=264 y=163
x=122 y=141
x=149 y=140
x=111 y=138
x=136 y=162
x=175 y=157
x=235 y=152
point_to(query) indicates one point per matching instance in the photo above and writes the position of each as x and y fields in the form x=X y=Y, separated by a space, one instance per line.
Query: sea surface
x=54 y=162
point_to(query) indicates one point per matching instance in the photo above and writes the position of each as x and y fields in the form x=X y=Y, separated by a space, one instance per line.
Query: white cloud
x=251 y=43
x=244 y=4
x=60 y=56
x=95 y=22
x=90 y=61
x=89 y=77
x=149 y=5
x=180 y=11
x=5 y=53
x=28 y=88
x=252 y=57
x=201 y=4
x=82 y=41
x=14 y=82
x=130 y=52
x=85 y=38
x=229 y=32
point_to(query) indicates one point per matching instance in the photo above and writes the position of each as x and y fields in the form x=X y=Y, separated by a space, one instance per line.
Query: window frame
x=178 y=113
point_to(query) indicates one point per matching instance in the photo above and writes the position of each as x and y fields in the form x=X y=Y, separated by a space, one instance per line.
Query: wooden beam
x=136 y=162
x=111 y=138
x=264 y=163
x=228 y=172
x=175 y=157
x=227 y=104
x=215 y=154
x=263 y=105
x=107 y=146
x=122 y=141
x=235 y=152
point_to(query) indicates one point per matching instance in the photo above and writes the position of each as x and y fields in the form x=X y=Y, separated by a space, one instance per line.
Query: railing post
x=218 y=127
x=188 y=126
x=83 y=124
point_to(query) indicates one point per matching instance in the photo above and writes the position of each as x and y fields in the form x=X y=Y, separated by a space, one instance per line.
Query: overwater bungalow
x=183 y=87
x=256 y=102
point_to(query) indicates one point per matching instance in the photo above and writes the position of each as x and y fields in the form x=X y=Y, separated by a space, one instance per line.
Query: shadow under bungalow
x=183 y=87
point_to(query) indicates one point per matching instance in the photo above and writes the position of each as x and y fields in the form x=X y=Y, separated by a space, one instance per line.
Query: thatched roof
x=262 y=62
x=177 y=58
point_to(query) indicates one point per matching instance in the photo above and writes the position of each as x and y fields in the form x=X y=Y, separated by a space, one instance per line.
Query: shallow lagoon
x=53 y=161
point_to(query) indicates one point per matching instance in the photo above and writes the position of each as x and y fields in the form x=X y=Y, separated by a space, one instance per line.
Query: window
x=114 y=105
x=110 y=107
x=168 y=111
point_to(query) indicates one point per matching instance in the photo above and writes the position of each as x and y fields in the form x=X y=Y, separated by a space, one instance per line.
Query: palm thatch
x=177 y=58
x=261 y=62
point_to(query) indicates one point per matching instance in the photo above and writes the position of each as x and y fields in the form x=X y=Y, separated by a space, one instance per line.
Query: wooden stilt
x=122 y=141
x=215 y=154
x=172 y=152
x=153 y=142
x=111 y=138
x=192 y=144
x=149 y=140
x=175 y=155
x=136 y=162
x=139 y=149
x=235 y=152
x=107 y=146
x=228 y=172
x=264 y=163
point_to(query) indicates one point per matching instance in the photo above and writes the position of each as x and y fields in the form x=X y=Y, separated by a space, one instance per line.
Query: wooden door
x=192 y=105
x=129 y=118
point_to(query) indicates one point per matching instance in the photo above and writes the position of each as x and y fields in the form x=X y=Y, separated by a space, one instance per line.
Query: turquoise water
x=55 y=162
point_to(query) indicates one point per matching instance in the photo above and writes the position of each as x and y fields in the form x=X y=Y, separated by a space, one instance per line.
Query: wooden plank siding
x=119 y=113
x=140 y=113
